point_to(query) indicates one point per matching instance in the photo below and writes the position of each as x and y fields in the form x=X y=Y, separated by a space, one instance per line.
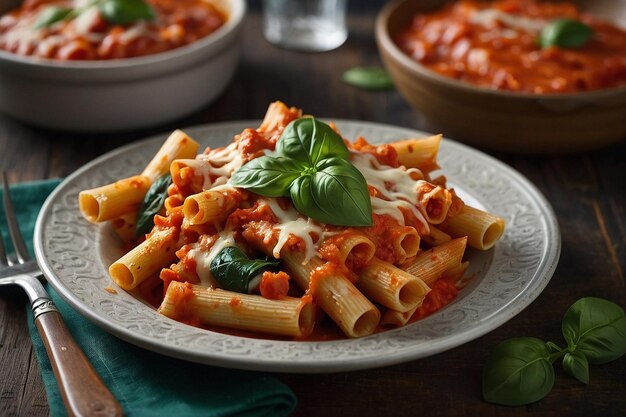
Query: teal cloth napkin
x=146 y=383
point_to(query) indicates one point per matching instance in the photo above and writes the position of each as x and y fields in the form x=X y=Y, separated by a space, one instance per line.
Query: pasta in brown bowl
x=524 y=46
x=292 y=231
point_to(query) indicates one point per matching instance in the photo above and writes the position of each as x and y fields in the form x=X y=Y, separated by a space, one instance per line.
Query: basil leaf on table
x=152 y=204
x=565 y=33
x=312 y=167
x=123 y=12
x=335 y=193
x=308 y=140
x=596 y=328
x=234 y=270
x=576 y=365
x=368 y=78
x=268 y=176
x=52 y=15
x=519 y=371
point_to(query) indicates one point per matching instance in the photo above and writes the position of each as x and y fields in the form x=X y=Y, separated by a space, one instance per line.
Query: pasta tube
x=335 y=294
x=392 y=319
x=391 y=286
x=481 y=228
x=287 y=316
x=418 y=153
x=210 y=206
x=149 y=257
x=177 y=146
x=113 y=200
x=431 y=264
x=434 y=202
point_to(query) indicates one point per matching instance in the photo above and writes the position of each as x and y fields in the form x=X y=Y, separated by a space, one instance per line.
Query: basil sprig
x=311 y=166
x=119 y=12
x=520 y=371
x=235 y=271
x=565 y=33
x=152 y=204
x=368 y=78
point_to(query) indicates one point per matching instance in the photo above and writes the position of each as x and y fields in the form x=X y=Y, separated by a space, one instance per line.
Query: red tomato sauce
x=495 y=45
x=385 y=153
x=274 y=285
x=91 y=37
x=442 y=292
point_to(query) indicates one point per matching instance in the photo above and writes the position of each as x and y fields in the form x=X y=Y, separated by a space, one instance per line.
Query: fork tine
x=4 y=261
x=14 y=231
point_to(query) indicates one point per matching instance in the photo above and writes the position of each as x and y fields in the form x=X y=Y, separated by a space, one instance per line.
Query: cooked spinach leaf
x=152 y=204
x=234 y=270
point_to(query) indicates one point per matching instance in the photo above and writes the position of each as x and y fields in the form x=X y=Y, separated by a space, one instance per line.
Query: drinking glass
x=305 y=25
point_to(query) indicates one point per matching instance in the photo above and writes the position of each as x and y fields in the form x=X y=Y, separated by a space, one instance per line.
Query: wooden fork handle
x=83 y=392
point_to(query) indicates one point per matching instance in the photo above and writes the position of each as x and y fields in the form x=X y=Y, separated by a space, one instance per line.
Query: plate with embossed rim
x=75 y=254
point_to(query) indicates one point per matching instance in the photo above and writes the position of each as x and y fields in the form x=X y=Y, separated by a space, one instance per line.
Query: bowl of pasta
x=521 y=76
x=117 y=65
x=293 y=244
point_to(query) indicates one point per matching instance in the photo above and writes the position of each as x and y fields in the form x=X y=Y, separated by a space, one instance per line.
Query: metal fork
x=83 y=392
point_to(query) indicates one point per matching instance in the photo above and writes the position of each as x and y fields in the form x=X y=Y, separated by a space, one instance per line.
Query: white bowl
x=124 y=94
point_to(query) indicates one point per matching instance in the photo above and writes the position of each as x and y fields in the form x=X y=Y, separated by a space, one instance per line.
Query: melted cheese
x=397 y=185
x=21 y=37
x=203 y=259
x=220 y=163
x=487 y=17
x=50 y=44
x=85 y=21
x=290 y=222
x=138 y=30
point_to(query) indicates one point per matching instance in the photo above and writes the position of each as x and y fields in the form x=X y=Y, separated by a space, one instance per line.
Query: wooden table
x=587 y=193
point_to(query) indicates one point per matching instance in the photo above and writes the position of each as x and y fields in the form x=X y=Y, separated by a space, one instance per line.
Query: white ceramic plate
x=75 y=255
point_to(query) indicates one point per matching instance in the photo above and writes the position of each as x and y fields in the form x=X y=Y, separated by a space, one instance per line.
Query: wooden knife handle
x=83 y=392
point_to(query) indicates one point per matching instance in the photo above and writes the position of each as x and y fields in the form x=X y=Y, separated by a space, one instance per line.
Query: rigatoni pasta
x=288 y=316
x=113 y=200
x=291 y=226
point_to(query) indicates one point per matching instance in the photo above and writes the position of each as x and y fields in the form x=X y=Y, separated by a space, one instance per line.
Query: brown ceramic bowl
x=498 y=120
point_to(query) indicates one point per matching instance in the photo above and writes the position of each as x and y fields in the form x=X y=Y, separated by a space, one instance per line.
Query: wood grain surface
x=586 y=191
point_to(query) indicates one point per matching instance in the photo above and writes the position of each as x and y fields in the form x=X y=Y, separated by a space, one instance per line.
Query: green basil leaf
x=596 y=328
x=368 y=78
x=53 y=14
x=518 y=372
x=335 y=193
x=123 y=12
x=268 y=176
x=309 y=141
x=152 y=204
x=565 y=33
x=234 y=270
x=576 y=365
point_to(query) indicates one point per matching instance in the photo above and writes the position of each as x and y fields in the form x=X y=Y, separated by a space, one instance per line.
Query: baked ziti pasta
x=525 y=46
x=71 y=30
x=291 y=229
